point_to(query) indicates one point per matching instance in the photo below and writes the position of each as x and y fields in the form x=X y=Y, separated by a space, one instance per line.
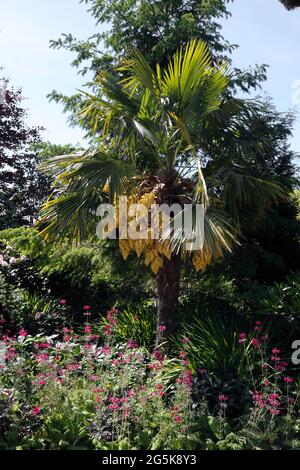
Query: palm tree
x=155 y=132
x=291 y=4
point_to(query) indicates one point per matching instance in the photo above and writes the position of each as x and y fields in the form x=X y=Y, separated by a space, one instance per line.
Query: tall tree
x=22 y=187
x=155 y=129
x=156 y=28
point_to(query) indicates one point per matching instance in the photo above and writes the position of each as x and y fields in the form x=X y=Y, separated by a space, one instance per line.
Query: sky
x=264 y=30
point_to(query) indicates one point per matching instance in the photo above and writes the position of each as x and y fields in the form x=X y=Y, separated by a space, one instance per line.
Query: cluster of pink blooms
x=175 y=412
x=258 y=340
x=271 y=401
x=54 y=362
x=112 y=322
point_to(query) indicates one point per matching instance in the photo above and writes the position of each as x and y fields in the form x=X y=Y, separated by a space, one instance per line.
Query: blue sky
x=265 y=31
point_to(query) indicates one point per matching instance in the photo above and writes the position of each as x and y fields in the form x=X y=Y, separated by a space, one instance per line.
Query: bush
x=93 y=274
x=71 y=391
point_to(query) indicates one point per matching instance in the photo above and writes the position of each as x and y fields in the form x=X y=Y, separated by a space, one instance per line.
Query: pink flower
x=41 y=358
x=132 y=344
x=223 y=398
x=288 y=380
x=93 y=378
x=106 y=350
x=177 y=419
x=159 y=355
x=36 y=411
x=255 y=342
x=273 y=399
x=280 y=367
x=66 y=330
x=274 y=411
x=258 y=400
x=62 y=301
x=87 y=329
x=23 y=333
x=162 y=328
x=275 y=358
x=258 y=323
x=182 y=354
x=86 y=307
x=111 y=317
x=107 y=330
x=275 y=351
x=242 y=337
x=186 y=340
x=131 y=393
x=187 y=378
x=266 y=383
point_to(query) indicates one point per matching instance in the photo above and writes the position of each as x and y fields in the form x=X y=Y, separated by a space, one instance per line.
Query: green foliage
x=22 y=187
x=93 y=274
x=156 y=29
x=11 y=300
x=136 y=323
x=213 y=344
x=281 y=299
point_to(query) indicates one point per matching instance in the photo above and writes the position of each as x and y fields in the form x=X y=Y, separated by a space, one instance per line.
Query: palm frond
x=243 y=193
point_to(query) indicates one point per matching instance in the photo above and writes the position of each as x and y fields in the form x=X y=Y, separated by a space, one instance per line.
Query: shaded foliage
x=22 y=188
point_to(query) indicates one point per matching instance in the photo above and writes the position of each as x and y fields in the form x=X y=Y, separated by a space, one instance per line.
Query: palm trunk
x=168 y=282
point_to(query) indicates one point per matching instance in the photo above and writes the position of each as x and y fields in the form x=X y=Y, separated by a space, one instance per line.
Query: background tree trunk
x=168 y=281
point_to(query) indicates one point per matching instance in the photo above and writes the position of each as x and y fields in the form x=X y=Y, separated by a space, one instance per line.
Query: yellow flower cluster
x=201 y=260
x=154 y=250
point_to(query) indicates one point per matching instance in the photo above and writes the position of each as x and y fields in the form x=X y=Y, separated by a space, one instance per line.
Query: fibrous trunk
x=168 y=281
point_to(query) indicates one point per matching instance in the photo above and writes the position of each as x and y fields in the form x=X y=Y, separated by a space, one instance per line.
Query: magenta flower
x=255 y=342
x=258 y=400
x=106 y=350
x=23 y=333
x=223 y=398
x=186 y=340
x=288 y=380
x=62 y=301
x=275 y=351
x=242 y=338
x=36 y=411
x=162 y=328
